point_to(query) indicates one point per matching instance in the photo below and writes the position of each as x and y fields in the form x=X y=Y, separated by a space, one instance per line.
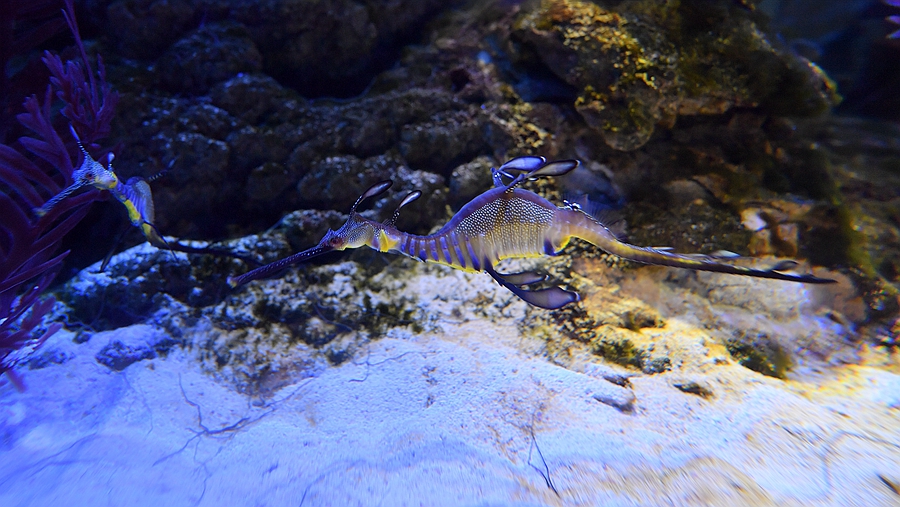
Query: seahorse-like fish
x=134 y=194
x=508 y=222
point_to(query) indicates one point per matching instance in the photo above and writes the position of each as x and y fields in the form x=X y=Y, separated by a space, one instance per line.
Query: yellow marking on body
x=110 y=182
x=384 y=243
x=133 y=214
x=467 y=269
x=530 y=255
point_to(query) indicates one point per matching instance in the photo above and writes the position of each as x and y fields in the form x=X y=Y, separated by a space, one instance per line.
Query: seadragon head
x=90 y=174
x=358 y=231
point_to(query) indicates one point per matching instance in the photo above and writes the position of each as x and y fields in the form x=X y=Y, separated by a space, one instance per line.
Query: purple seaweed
x=29 y=244
x=893 y=19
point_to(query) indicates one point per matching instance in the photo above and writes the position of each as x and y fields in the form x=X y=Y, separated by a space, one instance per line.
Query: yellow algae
x=653 y=59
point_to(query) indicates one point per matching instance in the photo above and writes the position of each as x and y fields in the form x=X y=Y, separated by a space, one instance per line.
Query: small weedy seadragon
x=134 y=194
x=508 y=222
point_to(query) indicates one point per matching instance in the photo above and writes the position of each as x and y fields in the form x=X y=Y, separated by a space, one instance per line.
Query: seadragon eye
x=333 y=240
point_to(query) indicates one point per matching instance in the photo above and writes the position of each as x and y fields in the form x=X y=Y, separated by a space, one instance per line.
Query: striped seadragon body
x=499 y=224
x=508 y=222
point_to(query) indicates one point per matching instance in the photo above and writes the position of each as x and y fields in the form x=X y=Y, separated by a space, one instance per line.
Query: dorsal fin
x=410 y=197
x=374 y=190
x=609 y=217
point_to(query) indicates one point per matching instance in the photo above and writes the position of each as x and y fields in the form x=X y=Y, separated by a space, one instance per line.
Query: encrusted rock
x=145 y=28
x=443 y=142
x=337 y=182
x=642 y=64
x=760 y=353
x=697 y=227
x=267 y=181
x=118 y=356
x=469 y=180
x=330 y=47
x=250 y=97
x=212 y=54
x=198 y=182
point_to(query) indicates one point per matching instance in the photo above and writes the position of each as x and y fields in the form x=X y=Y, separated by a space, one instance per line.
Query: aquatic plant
x=893 y=19
x=40 y=169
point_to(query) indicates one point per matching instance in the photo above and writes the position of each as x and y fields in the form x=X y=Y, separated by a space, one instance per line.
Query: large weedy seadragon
x=508 y=222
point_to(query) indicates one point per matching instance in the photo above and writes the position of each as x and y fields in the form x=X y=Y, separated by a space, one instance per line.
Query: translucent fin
x=784 y=265
x=137 y=191
x=410 y=197
x=610 y=218
x=555 y=168
x=526 y=164
x=521 y=164
x=550 y=298
x=523 y=278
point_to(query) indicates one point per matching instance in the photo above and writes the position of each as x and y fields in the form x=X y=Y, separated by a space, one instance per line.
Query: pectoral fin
x=555 y=168
x=550 y=298
x=522 y=278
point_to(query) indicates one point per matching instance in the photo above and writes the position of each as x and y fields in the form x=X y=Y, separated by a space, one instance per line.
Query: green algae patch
x=760 y=354
x=614 y=345
x=617 y=329
x=628 y=348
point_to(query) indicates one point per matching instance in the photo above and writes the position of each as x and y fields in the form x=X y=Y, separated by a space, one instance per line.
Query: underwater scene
x=450 y=253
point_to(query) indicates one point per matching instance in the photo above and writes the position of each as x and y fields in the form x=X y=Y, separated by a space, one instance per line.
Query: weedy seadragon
x=509 y=222
x=134 y=194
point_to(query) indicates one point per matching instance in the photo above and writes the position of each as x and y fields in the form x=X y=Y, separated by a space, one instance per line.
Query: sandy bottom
x=462 y=417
